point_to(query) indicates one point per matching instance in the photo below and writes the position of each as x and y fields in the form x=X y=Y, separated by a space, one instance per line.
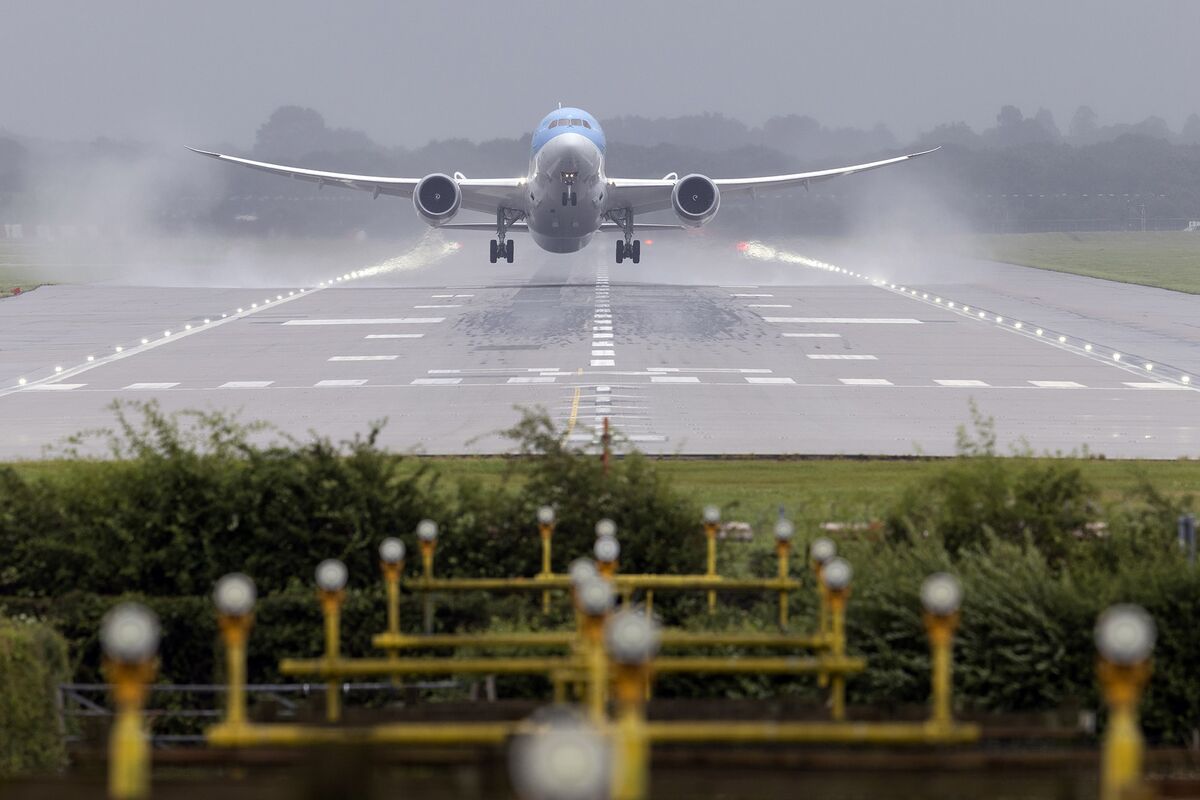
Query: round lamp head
x=129 y=633
x=784 y=530
x=564 y=759
x=822 y=549
x=1125 y=634
x=837 y=574
x=427 y=530
x=234 y=595
x=391 y=550
x=545 y=515
x=595 y=596
x=607 y=549
x=941 y=594
x=581 y=569
x=712 y=515
x=606 y=527
x=632 y=637
x=331 y=575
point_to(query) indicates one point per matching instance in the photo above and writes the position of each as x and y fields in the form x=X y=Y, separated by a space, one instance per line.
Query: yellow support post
x=712 y=522
x=129 y=636
x=941 y=598
x=235 y=631
x=1125 y=638
x=632 y=641
x=331 y=609
x=837 y=609
x=128 y=749
x=546 y=531
x=782 y=549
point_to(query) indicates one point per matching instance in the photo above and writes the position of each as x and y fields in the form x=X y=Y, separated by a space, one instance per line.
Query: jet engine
x=437 y=198
x=695 y=199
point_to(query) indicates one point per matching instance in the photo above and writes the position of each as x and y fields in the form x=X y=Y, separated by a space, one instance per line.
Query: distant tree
x=1014 y=130
x=1083 y=126
x=1191 y=130
x=955 y=133
x=13 y=161
x=294 y=132
x=1009 y=118
x=1045 y=120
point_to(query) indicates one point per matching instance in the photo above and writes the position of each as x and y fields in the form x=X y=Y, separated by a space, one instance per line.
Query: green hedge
x=33 y=661
x=193 y=496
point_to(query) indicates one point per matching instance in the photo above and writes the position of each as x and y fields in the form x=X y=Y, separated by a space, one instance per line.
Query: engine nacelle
x=437 y=198
x=695 y=199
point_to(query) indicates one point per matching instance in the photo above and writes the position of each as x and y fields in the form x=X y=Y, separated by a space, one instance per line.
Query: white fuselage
x=568 y=164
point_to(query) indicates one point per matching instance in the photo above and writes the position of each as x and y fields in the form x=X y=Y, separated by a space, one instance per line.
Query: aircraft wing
x=479 y=194
x=655 y=195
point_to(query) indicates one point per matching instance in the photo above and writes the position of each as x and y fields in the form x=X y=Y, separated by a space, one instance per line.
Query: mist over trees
x=1022 y=173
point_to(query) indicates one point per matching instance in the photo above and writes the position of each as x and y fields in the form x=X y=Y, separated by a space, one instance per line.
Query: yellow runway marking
x=574 y=413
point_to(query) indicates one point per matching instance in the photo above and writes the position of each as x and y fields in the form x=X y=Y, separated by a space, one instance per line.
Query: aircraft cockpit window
x=585 y=124
x=553 y=123
x=577 y=122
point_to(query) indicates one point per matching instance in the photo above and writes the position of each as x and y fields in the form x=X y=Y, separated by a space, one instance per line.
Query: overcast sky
x=406 y=72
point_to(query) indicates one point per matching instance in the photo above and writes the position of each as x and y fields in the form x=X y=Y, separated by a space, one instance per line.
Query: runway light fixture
x=1125 y=634
x=58 y=369
x=836 y=574
x=999 y=318
x=545 y=515
x=91 y=358
x=391 y=550
x=784 y=530
x=129 y=634
x=145 y=341
x=427 y=530
x=1116 y=356
x=207 y=320
x=1186 y=379
x=632 y=638
x=234 y=595
x=1018 y=325
x=1087 y=347
x=563 y=758
x=239 y=311
x=595 y=596
x=580 y=570
x=331 y=575
x=982 y=314
x=822 y=550
x=606 y=527
x=712 y=515
x=254 y=305
x=1039 y=331
x=118 y=349
x=1149 y=368
x=607 y=549
x=166 y=333
x=187 y=327
x=941 y=594
x=1062 y=340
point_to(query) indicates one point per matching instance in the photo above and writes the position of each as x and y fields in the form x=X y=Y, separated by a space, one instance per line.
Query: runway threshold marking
x=771 y=381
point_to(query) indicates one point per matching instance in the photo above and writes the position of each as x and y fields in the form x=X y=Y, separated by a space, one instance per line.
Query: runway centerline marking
x=363 y=358
x=245 y=385
x=53 y=387
x=436 y=382
x=1058 y=384
x=162 y=385
x=770 y=381
x=532 y=379
x=960 y=383
x=450 y=305
x=1155 y=385
x=367 y=321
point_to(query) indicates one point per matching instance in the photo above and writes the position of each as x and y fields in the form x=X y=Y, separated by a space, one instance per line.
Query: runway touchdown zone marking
x=1058 y=384
x=436 y=382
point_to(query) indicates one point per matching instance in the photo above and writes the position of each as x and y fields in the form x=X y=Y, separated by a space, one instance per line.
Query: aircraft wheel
x=637 y=251
x=620 y=251
x=508 y=250
x=492 y=254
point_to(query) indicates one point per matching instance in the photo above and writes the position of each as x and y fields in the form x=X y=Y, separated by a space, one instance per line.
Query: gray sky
x=406 y=72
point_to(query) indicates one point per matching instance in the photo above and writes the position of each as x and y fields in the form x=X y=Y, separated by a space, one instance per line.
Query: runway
x=701 y=349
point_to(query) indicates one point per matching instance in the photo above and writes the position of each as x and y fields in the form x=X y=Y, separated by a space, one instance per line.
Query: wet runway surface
x=700 y=349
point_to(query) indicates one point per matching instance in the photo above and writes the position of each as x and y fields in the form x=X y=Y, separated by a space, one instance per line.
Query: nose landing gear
x=631 y=250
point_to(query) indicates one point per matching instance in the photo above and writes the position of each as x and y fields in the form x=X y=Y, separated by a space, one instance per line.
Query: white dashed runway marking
x=813 y=335
x=437 y=381
x=450 y=305
x=961 y=383
x=1155 y=385
x=380 y=321
x=245 y=385
x=165 y=385
x=673 y=379
x=363 y=358
x=531 y=379
x=401 y=335
x=770 y=381
x=866 y=382
x=1058 y=384
x=334 y=384
x=603 y=362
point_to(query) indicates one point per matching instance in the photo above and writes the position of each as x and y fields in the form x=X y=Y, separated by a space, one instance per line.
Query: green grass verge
x=1167 y=260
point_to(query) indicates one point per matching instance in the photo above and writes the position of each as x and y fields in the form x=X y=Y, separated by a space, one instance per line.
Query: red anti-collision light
x=743 y=246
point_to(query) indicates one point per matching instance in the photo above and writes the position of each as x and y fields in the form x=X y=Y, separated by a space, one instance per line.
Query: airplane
x=566 y=197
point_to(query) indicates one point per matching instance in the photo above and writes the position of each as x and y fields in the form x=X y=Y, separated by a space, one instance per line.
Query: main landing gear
x=500 y=250
x=628 y=247
x=502 y=247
